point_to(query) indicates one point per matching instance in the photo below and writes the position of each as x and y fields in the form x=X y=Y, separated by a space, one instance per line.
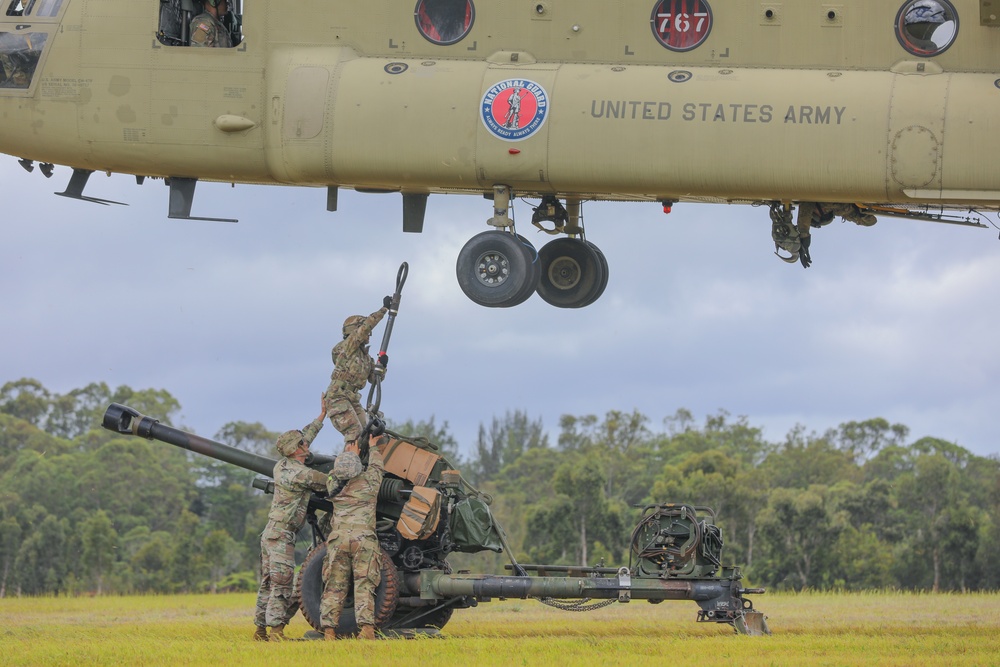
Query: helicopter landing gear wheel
x=574 y=273
x=604 y=275
x=497 y=270
x=311 y=588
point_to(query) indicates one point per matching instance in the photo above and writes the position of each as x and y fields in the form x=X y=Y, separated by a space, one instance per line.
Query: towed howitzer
x=425 y=511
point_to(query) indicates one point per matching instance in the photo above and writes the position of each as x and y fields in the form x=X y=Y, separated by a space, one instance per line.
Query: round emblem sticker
x=514 y=109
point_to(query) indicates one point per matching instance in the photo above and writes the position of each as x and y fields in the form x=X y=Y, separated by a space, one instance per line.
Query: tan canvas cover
x=421 y=513
x=405 y=460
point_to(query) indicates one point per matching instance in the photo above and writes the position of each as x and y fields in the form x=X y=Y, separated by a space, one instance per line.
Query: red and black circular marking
x=681 y=25
x=444 y=22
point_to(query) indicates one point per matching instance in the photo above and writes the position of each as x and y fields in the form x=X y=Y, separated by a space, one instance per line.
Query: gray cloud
x=237 y=321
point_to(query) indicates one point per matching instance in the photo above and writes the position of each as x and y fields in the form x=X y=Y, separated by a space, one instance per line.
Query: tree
x=156 y=403
x=506 y=440
x=799 y=527
x=187 y=559
x=221 y=552
x=804 y=460
x=25 y=399
x=254 y=438
x=79 y=411
x=100 y=546
x=934 y=494
x=622 y=446
x=135 y=481
x=724 y=482
x=583 y=515
x=17 y=435
x=41 y=559
x=864 y=439
x=10 y=541
x=151 y=561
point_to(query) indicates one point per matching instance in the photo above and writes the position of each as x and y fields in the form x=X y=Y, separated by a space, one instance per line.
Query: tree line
x=862 y=506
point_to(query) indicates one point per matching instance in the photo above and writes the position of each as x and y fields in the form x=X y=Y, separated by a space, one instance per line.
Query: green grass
x=809 y=629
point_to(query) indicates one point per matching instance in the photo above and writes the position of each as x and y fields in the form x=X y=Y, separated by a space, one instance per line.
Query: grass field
x=808 y=629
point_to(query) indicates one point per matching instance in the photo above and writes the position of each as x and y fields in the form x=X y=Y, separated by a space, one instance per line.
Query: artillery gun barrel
x=127 y=421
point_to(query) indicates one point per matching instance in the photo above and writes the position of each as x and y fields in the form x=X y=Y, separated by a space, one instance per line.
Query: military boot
x=278 y=633
x=367 y=632
x=329 y=634
x=260 y=634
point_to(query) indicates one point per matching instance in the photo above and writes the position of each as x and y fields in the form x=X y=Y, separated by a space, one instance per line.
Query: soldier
x=293 y=482
x=352 y=369
x=352 y=545
x=207 y=28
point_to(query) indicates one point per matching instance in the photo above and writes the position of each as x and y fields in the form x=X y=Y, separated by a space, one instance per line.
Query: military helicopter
x=815 y=110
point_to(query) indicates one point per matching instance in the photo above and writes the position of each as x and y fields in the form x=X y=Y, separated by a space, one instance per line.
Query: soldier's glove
x=804 y=251
x=387 y=302
x=383 y=360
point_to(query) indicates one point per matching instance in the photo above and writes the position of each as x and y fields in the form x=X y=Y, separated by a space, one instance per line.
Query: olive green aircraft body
x=852 y=108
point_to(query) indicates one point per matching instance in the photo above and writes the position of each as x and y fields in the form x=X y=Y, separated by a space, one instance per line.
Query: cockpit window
x=444 y=22
x=19 y=54
x=217 y=23
x=37 y=8
x=926 y=28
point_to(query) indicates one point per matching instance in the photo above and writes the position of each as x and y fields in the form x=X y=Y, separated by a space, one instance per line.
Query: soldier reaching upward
x=352 y=369
x=352 y=546
x=293 y=482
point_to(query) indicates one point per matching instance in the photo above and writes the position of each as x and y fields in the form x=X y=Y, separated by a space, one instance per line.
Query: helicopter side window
x=444 y=22
x=176 y=17
x=16 y=8
x=19 y=54
x=47 y=7
x=37 y=8
x=926 y=28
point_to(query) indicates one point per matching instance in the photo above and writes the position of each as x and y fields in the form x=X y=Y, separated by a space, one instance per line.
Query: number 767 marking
x=682 y=22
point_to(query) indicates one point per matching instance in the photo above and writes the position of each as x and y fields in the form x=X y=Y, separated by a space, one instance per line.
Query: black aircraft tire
x=494 y=269
x=572 y=273
x=602 y=285
x=311 y=586
x=535 y=272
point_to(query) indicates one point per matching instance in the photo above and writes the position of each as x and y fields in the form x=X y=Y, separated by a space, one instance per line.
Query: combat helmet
x=348 y=466
x=288 y=442
x=352 y=323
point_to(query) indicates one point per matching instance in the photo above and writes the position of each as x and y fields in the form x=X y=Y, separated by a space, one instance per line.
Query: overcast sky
x=237 y=320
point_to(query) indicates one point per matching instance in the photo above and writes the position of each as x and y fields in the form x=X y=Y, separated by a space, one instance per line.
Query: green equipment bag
x=472 y=527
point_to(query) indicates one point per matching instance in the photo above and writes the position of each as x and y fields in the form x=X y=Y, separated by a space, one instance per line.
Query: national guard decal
x=514 y=109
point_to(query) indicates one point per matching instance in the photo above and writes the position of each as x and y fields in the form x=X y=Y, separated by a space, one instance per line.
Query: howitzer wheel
x=311 y=583
x=416 y=619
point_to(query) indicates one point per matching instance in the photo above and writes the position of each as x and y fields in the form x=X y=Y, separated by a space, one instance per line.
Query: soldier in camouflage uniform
x=352 y=369
x=293 y=482
x=207 y=28
x=352 y=546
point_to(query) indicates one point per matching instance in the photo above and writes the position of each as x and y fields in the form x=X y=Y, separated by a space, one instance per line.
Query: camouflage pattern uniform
x=353 y=546
x=293 y=482
x=352 y=369
x=206 y=30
